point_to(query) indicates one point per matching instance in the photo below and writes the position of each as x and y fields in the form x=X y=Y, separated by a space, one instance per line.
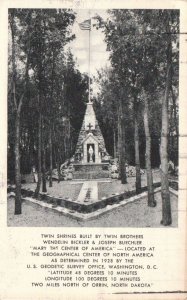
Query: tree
x=151 y=201
x=51 y=33
x=106 y=108
x=122 y=155
x=136 y=143
x=123 y=45
x=50 y=155
x=18 y=101
x=138 y=57
x=166 y=206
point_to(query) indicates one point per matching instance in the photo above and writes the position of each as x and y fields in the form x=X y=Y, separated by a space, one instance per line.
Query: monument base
x=91 y=171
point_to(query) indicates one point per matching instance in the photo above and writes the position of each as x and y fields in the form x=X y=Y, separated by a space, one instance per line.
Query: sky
x=80 y=45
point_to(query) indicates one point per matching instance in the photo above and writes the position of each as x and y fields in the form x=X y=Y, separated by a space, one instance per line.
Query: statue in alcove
x=91 y=154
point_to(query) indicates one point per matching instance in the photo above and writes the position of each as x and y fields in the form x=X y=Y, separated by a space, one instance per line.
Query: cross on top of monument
x=90 y=127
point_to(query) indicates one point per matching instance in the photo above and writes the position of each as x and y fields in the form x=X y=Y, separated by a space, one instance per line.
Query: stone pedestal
x=91 y=171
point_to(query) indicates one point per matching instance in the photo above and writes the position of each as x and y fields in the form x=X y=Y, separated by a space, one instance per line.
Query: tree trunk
x=39 y=156
x=50 y=125
x=114 y=137
x=175 y=111
x=166 y=206
x=122 y=150
x=50 y=156
x=58 y=166
x=69 y=138
x=137 y=154
x=119 y=140
x=44 y=188
x=17 y=166
x=17 y=107
x=151 y=201
x=30 y=149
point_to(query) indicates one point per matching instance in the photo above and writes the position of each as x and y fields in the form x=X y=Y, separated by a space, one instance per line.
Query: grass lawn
x=135 y=214
x=71 y=189
x=107 y=189
x=62 y=189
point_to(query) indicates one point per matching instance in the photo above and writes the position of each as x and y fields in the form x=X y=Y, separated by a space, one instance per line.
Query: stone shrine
x=90 y=146
x=90 y=152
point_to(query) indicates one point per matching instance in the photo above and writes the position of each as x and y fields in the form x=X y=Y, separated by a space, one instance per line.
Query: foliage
x=55 y=87
x=137 y=42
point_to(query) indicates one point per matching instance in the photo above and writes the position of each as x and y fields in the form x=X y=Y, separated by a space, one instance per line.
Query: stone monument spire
x=90 y=134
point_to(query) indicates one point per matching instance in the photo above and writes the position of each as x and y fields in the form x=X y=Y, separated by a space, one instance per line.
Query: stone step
x=91 y=167
x=91 y=175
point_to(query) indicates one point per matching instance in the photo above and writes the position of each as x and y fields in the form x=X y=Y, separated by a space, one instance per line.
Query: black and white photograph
x=93 y=170
x=93 y=117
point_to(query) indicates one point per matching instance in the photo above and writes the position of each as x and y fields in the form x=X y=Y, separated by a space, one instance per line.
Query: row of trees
x=45 y=89
x=141 y=91
x=137 y=101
